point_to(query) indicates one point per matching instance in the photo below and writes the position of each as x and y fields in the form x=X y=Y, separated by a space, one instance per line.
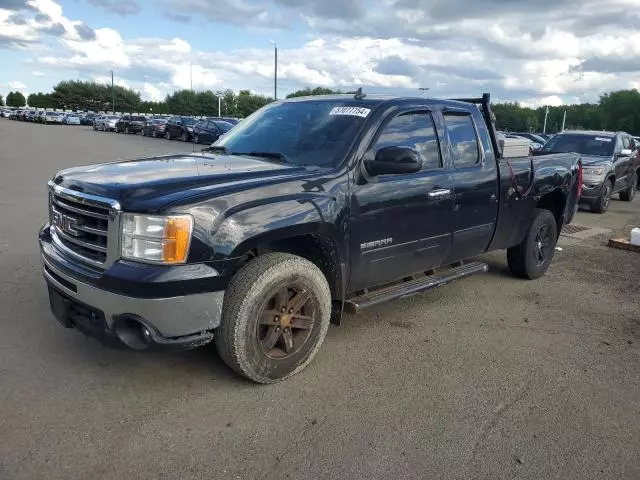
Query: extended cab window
x=463 y=138
x=626 y=142
x=413 y=130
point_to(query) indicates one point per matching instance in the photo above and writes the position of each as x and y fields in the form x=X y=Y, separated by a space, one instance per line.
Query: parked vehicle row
x=185 y=128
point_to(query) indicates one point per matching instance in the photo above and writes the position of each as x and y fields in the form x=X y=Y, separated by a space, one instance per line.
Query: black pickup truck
x=309 y=208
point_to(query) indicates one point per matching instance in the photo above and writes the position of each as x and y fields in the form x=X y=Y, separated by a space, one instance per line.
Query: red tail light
x=579 y=180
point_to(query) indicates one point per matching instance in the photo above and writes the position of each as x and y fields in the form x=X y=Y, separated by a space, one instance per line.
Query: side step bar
x=412 y=287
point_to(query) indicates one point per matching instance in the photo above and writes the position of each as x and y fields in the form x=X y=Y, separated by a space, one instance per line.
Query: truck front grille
x=83 y=226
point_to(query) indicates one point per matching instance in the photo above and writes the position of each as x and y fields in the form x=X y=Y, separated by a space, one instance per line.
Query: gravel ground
x=489 y=378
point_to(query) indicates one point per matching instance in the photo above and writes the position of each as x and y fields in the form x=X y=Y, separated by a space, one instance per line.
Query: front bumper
x=590 y=192
x=119 y=319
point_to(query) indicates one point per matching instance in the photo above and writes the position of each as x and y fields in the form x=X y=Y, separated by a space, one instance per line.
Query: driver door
x=401 y=224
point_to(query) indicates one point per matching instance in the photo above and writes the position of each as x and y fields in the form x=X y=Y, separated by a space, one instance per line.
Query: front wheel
x=629 y=194
x=602 y=203
x=275 y=317
x=531 y=259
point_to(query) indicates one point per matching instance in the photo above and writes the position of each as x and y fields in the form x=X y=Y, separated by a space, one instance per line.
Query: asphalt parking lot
x=491 y=377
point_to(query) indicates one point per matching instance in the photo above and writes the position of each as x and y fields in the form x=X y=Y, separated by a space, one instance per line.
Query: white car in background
x=72 y=120
x=52 y=117
x=107 y=123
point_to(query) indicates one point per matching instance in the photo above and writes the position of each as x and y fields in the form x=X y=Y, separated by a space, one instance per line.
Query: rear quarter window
x=463 y=138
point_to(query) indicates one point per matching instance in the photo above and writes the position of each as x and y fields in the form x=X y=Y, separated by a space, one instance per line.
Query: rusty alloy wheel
x=285 y=322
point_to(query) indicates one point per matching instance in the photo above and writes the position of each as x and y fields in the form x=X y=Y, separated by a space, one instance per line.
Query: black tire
x=249 y=298
x=184 y=137
x=602 y=203
x=196 y=139
x=126 y=130
x=531 y=259
x=630 y=193
x=154 y=134
x=167 y=135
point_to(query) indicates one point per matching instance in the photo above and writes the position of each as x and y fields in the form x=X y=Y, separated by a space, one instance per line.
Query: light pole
x=113 y=95
x=219 y=94
x=275 y=69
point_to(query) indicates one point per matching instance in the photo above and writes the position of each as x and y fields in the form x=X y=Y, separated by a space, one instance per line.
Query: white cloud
x=16 y=84
x=548 y=54
x=37 y=73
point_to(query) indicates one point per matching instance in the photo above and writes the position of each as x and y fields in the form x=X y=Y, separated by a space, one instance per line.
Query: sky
x=536 y=52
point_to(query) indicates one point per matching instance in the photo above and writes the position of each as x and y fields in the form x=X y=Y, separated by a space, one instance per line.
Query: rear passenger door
x=622 y=163
x=475 y=209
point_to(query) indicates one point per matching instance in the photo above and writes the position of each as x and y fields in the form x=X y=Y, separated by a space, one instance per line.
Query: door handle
x=441 y=193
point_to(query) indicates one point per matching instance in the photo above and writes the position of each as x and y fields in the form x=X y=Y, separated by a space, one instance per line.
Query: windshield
x=224 y=126
x=583 y=144
x=158 y=121
x=304 y=133
x=188 y=121
x=114 y=117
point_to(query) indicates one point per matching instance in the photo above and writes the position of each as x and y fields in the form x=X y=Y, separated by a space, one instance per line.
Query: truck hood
x=150 y=183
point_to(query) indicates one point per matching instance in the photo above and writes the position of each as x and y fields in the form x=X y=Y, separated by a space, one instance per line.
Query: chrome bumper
x=171 y=317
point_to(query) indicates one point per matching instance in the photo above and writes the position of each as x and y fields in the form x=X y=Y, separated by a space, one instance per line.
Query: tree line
x=618 y=110
x=96 y=97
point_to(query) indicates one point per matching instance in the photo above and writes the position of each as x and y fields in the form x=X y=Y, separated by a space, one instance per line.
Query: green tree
x=306 y=92
x=77 y=95
x=247 y=103
x=16 y=99
x=1 y=100
x=621 y=111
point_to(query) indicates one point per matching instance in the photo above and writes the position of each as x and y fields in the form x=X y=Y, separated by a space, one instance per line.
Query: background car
x=52 y=117
x=107 y=123
x=610 y=164
x=87 y=118
x=154 y=127
x=72 y=120
x=208 y=131
x=180 y=127
x=130 y=124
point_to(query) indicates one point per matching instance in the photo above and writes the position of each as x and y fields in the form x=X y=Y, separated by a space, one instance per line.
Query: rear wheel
x=275 y=317
x=602 y=203
x=531 y=259
x=629 y=194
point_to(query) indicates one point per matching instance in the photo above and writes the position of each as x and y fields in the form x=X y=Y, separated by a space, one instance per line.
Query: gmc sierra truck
x=309 y=208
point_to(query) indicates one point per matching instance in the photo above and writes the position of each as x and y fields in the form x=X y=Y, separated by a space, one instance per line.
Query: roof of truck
x=375 y=99
x=592 y=133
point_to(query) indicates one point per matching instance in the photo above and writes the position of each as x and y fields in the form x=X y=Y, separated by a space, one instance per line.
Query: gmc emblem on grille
x=65 y=223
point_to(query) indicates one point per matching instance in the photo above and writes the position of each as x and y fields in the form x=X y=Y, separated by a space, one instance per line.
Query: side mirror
x=625 y=152
x=178 y=122
x=394 y=160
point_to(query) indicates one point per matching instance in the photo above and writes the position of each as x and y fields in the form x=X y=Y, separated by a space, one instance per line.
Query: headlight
x=189 y=129
x=156 y=239
x=597 y=171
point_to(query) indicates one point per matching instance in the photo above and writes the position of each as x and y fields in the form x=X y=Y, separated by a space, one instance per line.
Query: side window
x=463 y=138
x=413 y=130
x=626 y=143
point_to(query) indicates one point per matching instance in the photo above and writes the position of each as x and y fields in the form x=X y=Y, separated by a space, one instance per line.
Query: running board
x=412 y=287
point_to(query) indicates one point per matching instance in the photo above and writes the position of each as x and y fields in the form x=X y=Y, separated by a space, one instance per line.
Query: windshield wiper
x=271 y=155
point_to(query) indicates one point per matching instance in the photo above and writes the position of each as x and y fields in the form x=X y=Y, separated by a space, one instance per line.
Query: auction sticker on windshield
x=351 y=111
x=602 y=139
